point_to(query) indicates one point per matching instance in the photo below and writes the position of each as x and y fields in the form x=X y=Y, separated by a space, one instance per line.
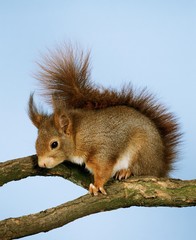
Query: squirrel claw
x=123 y=174
x=102 y=190
x=93 y=190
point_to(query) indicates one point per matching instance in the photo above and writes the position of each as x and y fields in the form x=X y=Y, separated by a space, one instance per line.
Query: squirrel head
x=54 y=143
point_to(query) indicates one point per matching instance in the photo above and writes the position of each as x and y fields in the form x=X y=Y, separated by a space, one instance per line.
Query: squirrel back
x=151 y=130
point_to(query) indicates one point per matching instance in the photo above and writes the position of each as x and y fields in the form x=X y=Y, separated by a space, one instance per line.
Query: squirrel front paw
x=93 y=190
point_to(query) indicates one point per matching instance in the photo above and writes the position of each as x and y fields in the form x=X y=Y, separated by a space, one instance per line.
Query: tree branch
x=148 y=192
x=20 y=168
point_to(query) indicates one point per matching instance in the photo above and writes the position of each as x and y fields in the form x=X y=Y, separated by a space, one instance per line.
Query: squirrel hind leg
x=123 y=174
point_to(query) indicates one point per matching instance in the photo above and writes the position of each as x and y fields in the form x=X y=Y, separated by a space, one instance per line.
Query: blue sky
x=149 y=43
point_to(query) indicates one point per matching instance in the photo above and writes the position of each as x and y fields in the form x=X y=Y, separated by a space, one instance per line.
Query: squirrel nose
x=42 y=164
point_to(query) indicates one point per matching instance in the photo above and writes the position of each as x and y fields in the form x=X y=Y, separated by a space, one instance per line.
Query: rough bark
x=150 y=192
x=20 y=168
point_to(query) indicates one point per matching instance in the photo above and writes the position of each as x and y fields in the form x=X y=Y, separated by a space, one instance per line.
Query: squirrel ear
x=63 y=123
x=33 y=113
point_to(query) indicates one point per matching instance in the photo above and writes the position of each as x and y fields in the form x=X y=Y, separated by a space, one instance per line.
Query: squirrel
x=113 y=133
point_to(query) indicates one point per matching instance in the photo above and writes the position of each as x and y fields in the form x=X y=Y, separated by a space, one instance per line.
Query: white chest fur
x=77 y=160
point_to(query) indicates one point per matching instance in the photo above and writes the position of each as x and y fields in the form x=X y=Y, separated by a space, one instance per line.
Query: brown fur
x=102 y=126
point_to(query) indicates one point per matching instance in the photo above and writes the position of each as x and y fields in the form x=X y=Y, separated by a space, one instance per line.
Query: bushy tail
x=66 y=74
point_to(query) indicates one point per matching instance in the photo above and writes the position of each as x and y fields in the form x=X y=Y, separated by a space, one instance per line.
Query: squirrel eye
x=54 y=145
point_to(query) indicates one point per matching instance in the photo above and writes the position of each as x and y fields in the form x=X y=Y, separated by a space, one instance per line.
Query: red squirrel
x=114 y=133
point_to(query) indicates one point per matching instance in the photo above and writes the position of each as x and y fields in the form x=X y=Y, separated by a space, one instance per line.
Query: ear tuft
x=57 y=102
x=33 y=113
